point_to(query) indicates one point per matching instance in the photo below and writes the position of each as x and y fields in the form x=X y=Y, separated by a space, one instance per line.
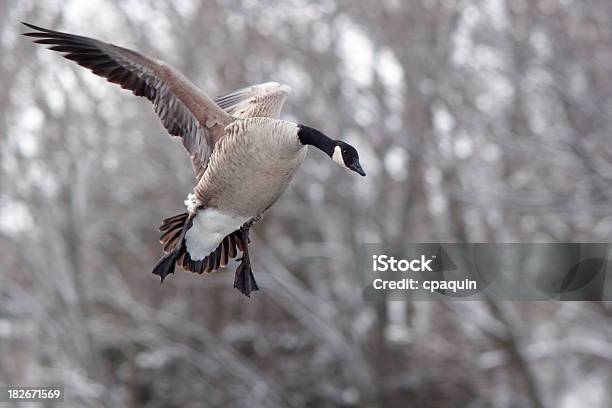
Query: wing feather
x=184 y=110
x=262 y=100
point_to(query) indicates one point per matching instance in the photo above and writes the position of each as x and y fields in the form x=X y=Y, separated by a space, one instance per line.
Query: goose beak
x=357 y=169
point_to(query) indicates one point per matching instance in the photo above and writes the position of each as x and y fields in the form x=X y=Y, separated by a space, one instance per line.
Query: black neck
x=311 y=136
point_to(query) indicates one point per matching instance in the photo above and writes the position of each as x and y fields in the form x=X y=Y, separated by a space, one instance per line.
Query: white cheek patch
x=337 y=157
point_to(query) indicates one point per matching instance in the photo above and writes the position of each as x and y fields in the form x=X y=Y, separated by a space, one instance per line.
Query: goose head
x=346 y=156
x=342 y=153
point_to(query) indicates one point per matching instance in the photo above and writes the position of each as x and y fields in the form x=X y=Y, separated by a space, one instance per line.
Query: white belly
x=209 y=228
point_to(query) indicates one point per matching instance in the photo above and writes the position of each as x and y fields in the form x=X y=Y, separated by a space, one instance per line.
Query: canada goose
x=244 y=156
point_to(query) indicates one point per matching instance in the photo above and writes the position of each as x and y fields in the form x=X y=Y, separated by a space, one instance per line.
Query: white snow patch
x=396 y=163
x=15 y=217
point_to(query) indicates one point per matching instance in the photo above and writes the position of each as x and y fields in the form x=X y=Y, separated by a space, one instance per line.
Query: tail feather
x=173 y=231
x=171 y=225
x=226 y=250
x=168 y=240
x=178 y=217
x=232 y=246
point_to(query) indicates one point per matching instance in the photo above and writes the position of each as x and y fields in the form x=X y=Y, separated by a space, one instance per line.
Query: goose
x=243 y=155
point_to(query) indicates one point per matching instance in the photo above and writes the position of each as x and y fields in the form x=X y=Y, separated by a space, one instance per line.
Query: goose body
x=243 y=156
x=274 y=152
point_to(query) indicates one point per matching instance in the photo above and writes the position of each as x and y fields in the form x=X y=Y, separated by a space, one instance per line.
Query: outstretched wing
x=184 y=110
x=262 y=100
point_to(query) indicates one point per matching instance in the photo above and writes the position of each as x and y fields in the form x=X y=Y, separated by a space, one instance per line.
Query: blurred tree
x=476 y=120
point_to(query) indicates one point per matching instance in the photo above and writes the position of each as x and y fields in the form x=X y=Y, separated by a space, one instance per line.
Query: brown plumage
x=184 y=110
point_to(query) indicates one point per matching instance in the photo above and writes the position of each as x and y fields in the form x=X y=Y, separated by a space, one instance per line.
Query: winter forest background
x=483 y=121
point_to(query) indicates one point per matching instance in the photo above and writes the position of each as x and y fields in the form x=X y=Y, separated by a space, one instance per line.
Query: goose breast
x=251 y=166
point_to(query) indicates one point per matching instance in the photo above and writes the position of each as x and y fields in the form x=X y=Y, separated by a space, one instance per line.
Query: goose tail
x=173 y=231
